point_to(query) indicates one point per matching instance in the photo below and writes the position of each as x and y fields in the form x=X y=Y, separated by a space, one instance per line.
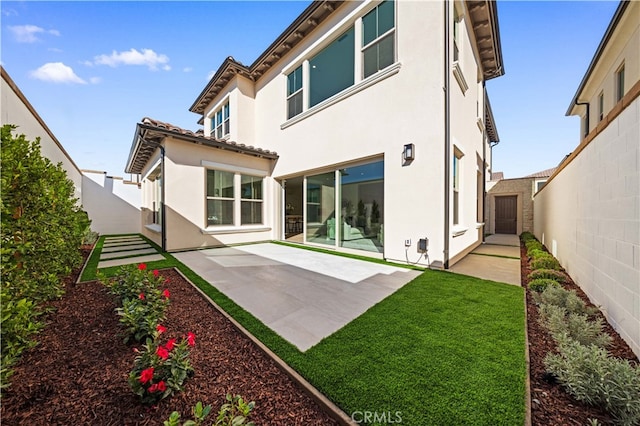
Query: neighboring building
x=363 y=149
x=113 y=204
x=509 y=205
x=588 y=213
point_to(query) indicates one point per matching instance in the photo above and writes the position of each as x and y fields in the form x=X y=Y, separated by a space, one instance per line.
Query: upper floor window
x=332 y=70
x=600 y=106
x=220 y=122
x=378 y=38
x=294 y=92
x=620 y=83
x=456 y=34
x=456 y=187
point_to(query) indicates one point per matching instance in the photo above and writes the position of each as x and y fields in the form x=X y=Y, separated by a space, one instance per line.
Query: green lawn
x=445 y=349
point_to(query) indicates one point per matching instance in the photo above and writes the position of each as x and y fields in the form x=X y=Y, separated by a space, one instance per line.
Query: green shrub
x=527 y=236
x=550 y=274
x=540 y=284
x=578 y=327
x=235 y=412
x=545 y=262
x=590 y=375
x=41 y=231
x=563 y=298
x=537 y=253
x=533 y=245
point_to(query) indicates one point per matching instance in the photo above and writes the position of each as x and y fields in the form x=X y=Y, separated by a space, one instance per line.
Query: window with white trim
x=332 y=69
x=457 y=19
x=220 y=197
x=250 y=200
x=220 y=122
x=294 y=92
x=378 y=38
x=456 y=186
x=620 y=83
x=600 y=106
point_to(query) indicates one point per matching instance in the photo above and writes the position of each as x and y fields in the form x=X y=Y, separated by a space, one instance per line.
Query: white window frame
x=620 y=83
x=224 y=124
x=601 y=106
x=377 y=40
x=297 y=92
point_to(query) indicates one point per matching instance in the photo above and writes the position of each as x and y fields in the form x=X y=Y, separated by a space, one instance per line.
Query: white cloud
x=29 y=33
x=56 y=72
x=95 y=80
x=146 y=57
x=187 y=69
x=211 y=74
x=55 y=50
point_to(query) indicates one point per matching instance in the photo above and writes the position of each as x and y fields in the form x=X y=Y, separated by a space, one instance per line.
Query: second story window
x=378 y=38
x=332 y=69
x=294 y=92
x=600 y=106
x=220 y=122
x=620 y=83
x=456 y=34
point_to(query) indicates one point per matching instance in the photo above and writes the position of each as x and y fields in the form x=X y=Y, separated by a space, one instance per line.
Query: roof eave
x=484 y=21
x=603 y=43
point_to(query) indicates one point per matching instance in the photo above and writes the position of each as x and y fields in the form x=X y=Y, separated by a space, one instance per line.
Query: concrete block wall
x=588 y=216
x=523 y=188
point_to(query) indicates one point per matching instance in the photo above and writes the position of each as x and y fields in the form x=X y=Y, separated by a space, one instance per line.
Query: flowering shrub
x=160 y=370
x=143 y=303
x=235 y=412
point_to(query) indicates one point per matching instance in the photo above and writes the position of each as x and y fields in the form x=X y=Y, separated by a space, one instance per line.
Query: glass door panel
x=321 y=217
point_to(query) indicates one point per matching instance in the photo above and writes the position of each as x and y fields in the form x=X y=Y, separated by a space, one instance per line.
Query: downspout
x=586 y=122
x=447 y=136
x=484 y=159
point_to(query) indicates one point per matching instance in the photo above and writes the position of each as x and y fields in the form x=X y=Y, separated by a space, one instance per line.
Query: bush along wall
x=42 y=227
x=583 y=366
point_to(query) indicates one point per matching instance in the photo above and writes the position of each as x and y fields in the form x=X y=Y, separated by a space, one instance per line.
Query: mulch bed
x=78 y=373
x=551 y=405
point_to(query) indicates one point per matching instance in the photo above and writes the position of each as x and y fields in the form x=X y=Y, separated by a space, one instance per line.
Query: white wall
x=112 y=203
x=588 y=216
x=16 y=109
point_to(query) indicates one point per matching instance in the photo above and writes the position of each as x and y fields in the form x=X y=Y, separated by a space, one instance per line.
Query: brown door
x=506 y=214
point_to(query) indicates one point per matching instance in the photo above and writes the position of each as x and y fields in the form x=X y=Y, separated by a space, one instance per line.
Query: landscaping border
x=329 y=407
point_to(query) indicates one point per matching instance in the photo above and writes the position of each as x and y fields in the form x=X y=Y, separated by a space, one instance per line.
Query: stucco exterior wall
x=523 y=188
x=375 y=122
x=112 y=203
x=16 y=109
x=588 y=216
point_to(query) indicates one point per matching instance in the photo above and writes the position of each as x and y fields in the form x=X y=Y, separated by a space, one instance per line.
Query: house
x=111 y=202
x=509 y=205
x=588 y=212
x=364 y=127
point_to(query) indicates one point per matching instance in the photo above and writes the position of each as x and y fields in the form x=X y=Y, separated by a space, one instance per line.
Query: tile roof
x=543 y=173
x=150 y=133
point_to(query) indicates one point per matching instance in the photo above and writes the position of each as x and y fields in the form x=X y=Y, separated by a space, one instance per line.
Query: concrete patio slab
x=123 y=243
x=487 y=261
x=125 y=248
x=303 y=296
x=503 y=239
x=130 y=260
x=120 y=239
x=111 y=255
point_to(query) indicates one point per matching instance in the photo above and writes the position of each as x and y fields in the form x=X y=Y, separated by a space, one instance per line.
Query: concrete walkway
x=124 y=250
x=497 y=259
x=302 y=295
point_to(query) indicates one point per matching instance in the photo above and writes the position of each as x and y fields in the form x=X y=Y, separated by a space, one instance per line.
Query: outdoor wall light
x=409 y=152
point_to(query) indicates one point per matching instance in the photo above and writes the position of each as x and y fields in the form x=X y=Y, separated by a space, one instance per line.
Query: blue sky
x=92 y=70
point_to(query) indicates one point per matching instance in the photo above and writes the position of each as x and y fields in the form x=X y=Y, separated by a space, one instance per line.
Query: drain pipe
x=447 y=135
x=484 y=161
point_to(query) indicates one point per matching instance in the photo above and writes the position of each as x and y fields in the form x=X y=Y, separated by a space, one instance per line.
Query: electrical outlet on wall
x=407 y=243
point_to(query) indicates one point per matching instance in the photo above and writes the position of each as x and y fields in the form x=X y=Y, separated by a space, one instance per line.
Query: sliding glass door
x=320 y=214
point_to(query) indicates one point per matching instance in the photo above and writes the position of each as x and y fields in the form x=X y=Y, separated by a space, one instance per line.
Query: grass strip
x=445 y=349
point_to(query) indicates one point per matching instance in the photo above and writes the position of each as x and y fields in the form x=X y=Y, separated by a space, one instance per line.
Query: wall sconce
x=409 y=152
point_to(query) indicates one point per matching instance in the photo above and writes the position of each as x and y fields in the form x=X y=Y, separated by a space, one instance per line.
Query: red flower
x=170 y=344
x=153 y=387
x=191 y=339
x=156 y=273
x=161 y=328
x=162 y=352
x=141 y=296
x=161 y=386
x=142 y=266
x=146 y=375
x=166 y=293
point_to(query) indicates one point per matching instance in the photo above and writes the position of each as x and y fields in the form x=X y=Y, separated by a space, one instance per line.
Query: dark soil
x=550 y=404
x=78 y=372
